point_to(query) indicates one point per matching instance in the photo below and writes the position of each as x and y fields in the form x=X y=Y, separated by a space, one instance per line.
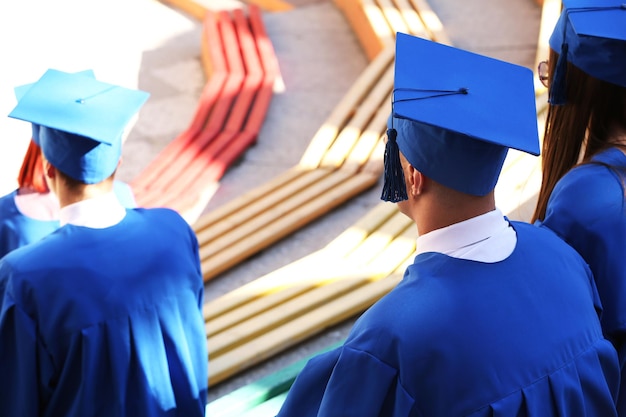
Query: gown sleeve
x=347 y=382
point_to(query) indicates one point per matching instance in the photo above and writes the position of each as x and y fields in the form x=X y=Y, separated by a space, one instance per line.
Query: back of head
x=587 y=67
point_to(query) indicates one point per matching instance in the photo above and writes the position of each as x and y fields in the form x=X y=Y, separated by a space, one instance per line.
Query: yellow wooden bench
x=376 y=22
x=241 y=69
x=283 y=308
x=198 y=8
x=344 y=157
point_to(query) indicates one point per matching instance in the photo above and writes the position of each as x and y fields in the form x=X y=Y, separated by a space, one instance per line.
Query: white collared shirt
x=96 y=213
x=486 y=238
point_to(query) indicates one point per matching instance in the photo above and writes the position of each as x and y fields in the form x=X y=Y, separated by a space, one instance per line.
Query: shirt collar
x=451 y=239
x=97 y=212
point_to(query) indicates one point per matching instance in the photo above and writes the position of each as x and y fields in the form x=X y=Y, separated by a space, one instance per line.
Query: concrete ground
x=147 y=45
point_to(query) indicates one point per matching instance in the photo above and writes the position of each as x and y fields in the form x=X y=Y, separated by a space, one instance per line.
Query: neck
x=618 y=135
x=437 y=213
x=74 y=193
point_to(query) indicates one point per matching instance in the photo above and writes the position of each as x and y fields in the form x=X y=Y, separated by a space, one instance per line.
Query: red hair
x=31 y=173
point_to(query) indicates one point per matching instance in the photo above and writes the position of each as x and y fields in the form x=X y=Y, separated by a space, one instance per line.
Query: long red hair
x=31 y=174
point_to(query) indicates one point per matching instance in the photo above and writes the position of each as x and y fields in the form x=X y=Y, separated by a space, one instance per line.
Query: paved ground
x=145 y=44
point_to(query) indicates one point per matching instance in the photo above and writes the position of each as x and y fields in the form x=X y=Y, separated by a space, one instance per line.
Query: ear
x=48 y=169
x=416 y=181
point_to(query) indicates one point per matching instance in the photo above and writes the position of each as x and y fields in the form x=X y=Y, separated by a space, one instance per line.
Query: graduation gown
x=456 y=337
x=16 y=229
x=105 y=322
x=587 y=208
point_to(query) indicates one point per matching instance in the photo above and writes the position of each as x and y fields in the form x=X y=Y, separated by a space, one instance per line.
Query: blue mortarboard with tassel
x=454 y=116
x=81 y=121
x=591 y=35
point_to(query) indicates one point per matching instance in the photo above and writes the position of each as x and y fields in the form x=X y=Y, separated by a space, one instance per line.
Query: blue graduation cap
x=20 y=90
x=591 y=35
x=454 y=116
x=81 y=121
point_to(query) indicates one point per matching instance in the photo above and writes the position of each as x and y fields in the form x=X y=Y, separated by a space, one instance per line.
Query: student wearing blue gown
x=493 y=317
x=582 y=195
x=102 y=317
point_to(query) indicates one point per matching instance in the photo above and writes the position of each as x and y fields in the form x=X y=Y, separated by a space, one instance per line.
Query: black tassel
x=558 y=85
x=394 y=188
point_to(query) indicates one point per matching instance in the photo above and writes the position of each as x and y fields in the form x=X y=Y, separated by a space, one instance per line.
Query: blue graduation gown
x=520 y=337
x=105 y=322
x=16 y=229
x=588 y=210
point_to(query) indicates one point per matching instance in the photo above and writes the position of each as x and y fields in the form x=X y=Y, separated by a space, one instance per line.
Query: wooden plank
x=341 y=246
x=271 y=72
x=271 y=5
x=345 y=109
x=302 y=278
x=250 y=107
x=236 y=72
x=298 y=330
x=207 y=163
x=192 y=8
x=336 y=277
x=212 y=49
x=360 y=18
x=393 y=17
x=200 y=188
x=414 y=24
x=226 y=210
x=253 y=71
x=431 y=22
x=333 y=191
x=214 y=123
x=381 y=254
x=368 y=151
x=260 y=306
x=380 y=97
x=191 y=173
x=376 y=22
x=348 y=240
x=184 y=187
x=259 y=201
